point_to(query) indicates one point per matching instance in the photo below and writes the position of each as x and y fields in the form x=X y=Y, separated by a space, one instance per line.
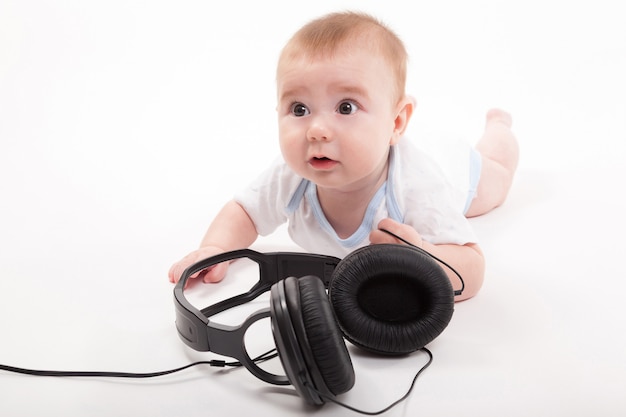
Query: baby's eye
x=347 y=107
x=299 y=110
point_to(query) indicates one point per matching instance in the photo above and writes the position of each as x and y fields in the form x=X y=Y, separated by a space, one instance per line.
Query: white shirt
x=416 y=193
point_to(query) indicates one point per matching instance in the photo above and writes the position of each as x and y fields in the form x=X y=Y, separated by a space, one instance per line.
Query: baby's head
x=341 y=33
x=341 y=101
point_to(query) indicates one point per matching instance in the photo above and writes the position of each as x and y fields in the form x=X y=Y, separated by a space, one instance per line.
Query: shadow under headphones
x=390 y=299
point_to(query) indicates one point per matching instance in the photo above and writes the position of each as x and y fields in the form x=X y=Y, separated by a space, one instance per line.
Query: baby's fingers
x=214 y=274
x=176 y=270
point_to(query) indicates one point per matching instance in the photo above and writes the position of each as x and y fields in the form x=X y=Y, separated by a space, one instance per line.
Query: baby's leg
x=500 y=153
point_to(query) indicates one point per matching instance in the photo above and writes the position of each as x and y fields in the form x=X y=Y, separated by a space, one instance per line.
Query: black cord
x=106 y=374
x=219 y=363
x=389 y=407
x=456 y=292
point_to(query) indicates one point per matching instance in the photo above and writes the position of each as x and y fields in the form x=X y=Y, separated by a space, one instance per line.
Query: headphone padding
x=324 y=337
x=391 y=299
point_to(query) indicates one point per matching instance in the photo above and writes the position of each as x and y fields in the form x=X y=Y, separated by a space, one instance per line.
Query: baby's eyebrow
x=287 y=95
x=292 y=91
x=344 y=89
x=349 y=89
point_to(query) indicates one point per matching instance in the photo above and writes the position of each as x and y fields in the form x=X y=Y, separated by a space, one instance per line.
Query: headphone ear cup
x=308 y=339
x=391 y=299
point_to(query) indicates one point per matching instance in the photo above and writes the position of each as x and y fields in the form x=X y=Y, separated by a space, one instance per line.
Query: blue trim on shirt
x=386 y=191
x=476 y=163
x=297 y=197
x=364 y=228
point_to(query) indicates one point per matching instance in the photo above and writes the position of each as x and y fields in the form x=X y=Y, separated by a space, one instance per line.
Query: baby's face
x=336 y=118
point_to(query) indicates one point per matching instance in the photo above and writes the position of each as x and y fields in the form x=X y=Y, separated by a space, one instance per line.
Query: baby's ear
x=404 y=111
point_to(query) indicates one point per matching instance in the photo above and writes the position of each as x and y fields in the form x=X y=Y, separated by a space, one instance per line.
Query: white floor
x=124 y=125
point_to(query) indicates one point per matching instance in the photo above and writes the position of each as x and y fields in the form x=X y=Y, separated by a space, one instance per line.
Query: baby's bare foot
x=499 y=116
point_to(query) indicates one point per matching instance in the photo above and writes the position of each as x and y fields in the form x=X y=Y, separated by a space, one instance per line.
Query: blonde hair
x=323 y=37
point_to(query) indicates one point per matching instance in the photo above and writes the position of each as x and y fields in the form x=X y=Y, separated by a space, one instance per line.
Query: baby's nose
x=319 y=129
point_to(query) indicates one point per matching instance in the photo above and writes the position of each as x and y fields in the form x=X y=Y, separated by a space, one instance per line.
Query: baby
x=347 y=171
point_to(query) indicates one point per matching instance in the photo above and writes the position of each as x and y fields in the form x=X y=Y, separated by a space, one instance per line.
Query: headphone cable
x=218 y=363
x=425 y=252
x=111 y=374
x=390 y=406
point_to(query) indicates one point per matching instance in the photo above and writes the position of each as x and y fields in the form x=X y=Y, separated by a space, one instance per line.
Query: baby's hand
x=403 y=230
x=213 y=274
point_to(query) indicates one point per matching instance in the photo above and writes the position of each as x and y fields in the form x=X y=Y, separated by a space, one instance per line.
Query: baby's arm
x=231 y=229
x=467 y=260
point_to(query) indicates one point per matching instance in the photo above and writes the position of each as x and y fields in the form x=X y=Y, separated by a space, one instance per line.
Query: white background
x=125 y=125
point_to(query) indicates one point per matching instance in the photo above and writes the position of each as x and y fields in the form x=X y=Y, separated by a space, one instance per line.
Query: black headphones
x=390 y=299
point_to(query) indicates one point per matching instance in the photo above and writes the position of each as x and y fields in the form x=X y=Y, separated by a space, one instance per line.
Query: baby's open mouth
x=322 y=163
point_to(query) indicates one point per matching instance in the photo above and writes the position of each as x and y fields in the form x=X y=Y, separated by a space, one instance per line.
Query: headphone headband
x=201 y=334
